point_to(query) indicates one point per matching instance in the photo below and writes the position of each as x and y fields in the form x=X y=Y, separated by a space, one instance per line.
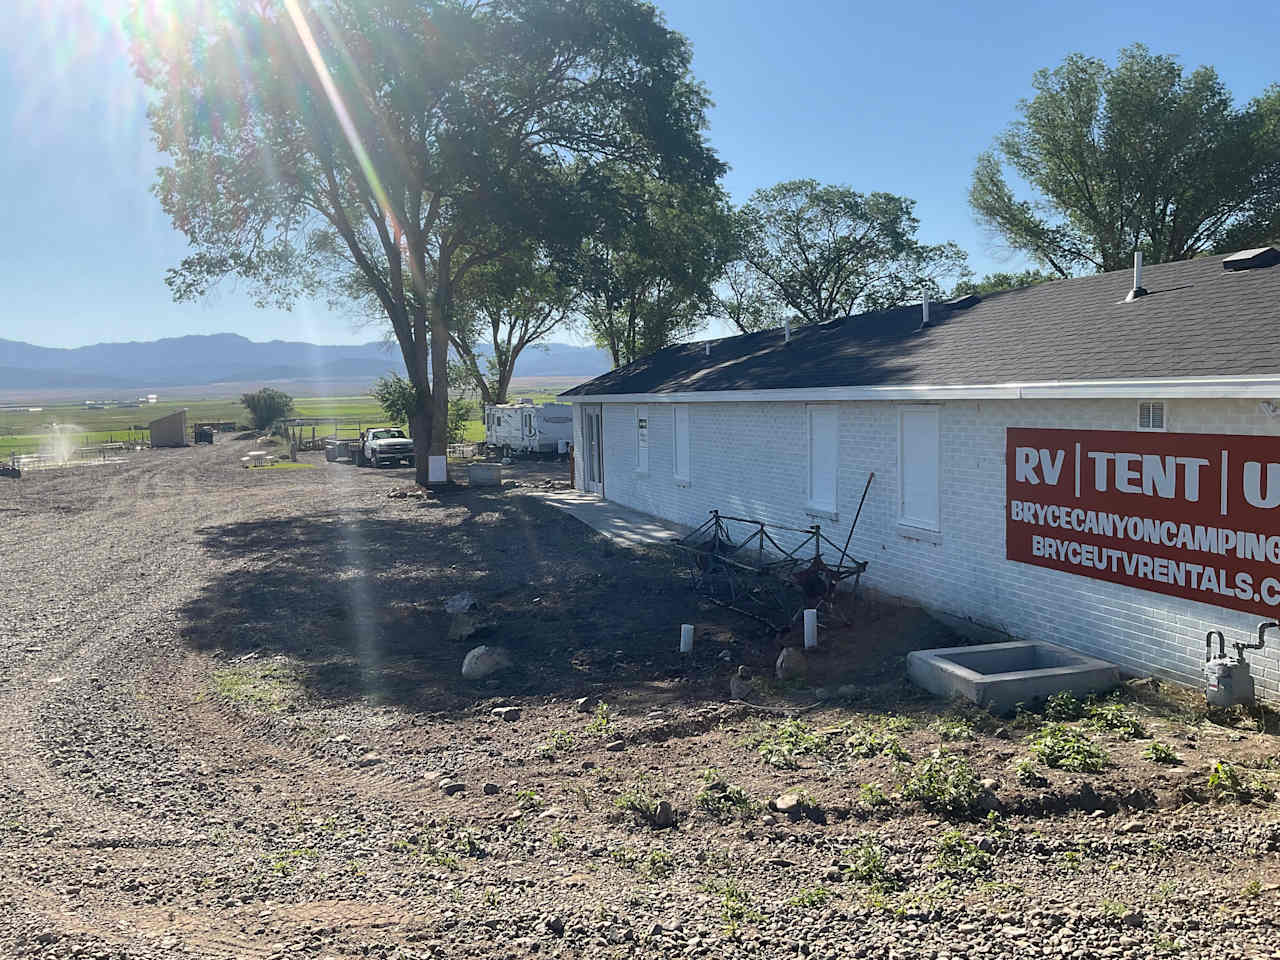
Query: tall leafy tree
x=506 y=308
x=825 y=251
x=995 y=282
x=648 y=277
x=388 y=148
x=1139 y=156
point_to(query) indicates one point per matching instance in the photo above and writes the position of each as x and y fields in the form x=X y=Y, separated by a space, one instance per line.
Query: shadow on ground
x=355 y=600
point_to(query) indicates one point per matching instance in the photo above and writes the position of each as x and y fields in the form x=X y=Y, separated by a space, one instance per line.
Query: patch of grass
x=558 y=840
x=869 y=865
x=285 y=465
x=960 y=857
x=723 y=801
x=1252 y=889
x=1112 y=908
x=1063 y=707
x=1072 y=860
x=780 y=744
x=1158 y=752
x=1064 y=748
x=263 y=684
x=954 y=729
x=811 y=898
x=1117 y=719
x=944 y=784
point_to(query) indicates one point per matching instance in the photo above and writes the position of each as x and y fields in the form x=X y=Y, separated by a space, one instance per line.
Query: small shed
x=170 y=431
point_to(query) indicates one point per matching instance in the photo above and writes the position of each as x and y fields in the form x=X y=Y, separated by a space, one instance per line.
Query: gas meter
x=1227 y=681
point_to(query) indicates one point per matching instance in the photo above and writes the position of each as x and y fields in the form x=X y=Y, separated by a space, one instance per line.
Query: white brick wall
x=749 y=459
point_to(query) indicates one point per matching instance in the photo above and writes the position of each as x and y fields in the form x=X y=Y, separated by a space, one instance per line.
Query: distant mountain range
x=229 y=357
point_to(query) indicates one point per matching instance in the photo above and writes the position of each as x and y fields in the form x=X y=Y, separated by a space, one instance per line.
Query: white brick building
x=788 y=431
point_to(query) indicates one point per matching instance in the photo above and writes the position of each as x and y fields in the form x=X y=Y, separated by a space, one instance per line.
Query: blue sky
x=896 y=97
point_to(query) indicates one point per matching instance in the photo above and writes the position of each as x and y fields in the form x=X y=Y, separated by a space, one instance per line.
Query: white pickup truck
x=384 y=445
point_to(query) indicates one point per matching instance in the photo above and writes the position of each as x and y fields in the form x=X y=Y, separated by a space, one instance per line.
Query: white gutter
x=1256 y=387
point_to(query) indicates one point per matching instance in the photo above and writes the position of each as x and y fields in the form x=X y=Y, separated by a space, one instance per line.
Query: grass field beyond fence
x=25 y=431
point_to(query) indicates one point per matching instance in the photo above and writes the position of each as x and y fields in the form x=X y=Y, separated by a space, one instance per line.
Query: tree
x=266 y=406
x=460 y=409
x=397 y=397
x=382 y=150
x=508 y=306
x=648 y=277
x=1133 y=157
x=828 y=251
x=995 y=282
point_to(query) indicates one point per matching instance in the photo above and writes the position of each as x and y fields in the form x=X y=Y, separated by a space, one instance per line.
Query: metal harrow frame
x=738 y=563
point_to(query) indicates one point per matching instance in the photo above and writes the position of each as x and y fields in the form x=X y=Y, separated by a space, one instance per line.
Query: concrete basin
x=999 y=676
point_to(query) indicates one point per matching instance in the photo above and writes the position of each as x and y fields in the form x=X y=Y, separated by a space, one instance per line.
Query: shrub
x=1026 y=773
x=1063 y=706
x=266 y=406
x=866 y=741
x=944 y=784
x=1064 y=748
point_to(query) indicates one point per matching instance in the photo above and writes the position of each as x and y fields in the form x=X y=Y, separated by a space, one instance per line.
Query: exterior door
x=592 y=450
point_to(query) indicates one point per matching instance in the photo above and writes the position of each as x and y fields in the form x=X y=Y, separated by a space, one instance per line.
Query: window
x=1151 y=415
x=642 y=439
x=680 y=452
x=824 y=456
x=918 y=467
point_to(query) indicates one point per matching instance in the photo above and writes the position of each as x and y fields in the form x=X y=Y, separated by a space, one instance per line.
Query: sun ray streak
x=331 y=91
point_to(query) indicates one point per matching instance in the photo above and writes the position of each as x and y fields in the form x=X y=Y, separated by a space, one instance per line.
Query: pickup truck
x=382 y=446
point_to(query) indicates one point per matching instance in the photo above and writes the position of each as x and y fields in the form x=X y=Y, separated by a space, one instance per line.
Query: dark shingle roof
x=1198 y=320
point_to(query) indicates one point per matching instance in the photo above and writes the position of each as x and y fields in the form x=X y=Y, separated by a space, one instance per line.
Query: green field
x=24 y=431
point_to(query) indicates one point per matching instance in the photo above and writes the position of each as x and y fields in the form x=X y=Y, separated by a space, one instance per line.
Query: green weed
x=944 y=784
x=1158 y=752
x=960 y=857
x=1065 y=748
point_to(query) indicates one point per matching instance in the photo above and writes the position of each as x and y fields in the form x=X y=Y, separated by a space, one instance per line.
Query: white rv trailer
x=527 y=429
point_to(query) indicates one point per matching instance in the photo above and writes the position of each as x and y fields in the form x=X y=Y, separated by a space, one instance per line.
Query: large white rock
x=481 y=662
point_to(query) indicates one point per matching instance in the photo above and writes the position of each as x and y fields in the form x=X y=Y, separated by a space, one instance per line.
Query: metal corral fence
x=96 y=453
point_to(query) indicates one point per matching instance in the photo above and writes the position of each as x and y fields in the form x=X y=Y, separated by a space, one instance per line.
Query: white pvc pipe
x=810 y=629
x=686 y=638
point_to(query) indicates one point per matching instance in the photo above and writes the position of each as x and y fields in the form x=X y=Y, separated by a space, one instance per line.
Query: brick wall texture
x=750 y=459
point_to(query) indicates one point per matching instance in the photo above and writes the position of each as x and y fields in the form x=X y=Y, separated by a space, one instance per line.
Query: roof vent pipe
x=1137 y=290
x=786 y=330
x=924 y=313
x=707 y=348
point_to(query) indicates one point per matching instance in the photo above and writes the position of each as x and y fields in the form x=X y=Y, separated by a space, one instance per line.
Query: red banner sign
x=1190 y=515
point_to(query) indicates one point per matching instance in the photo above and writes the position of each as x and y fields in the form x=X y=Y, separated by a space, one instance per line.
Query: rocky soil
x=232 y=724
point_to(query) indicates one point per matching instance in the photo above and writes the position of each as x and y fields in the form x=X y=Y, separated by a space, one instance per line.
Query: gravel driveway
x=232 y=725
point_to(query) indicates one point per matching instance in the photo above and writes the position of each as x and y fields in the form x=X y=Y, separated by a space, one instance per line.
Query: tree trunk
x=420 y=428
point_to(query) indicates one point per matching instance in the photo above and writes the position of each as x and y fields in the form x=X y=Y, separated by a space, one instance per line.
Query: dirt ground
x=232 y=724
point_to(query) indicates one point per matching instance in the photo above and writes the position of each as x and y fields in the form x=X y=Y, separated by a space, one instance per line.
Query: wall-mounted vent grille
x=1151 y=415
